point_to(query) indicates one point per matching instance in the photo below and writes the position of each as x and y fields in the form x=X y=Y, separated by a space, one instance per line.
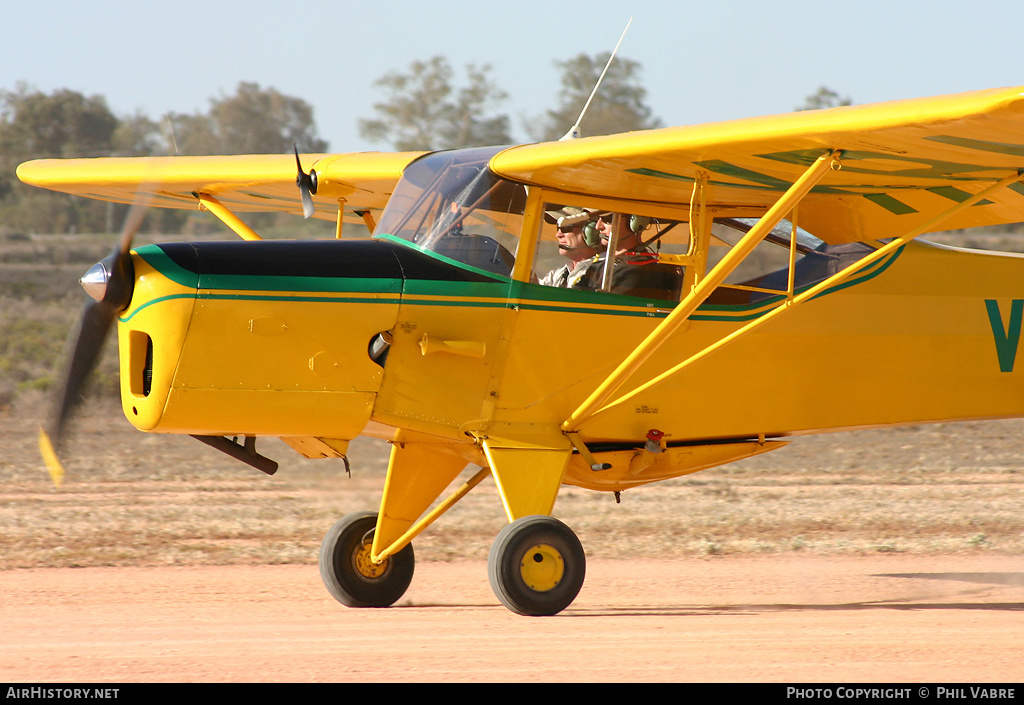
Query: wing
x=902 y=163
x=248 y=183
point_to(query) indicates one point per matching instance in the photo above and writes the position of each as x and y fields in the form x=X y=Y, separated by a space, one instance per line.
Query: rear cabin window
x=765 y=272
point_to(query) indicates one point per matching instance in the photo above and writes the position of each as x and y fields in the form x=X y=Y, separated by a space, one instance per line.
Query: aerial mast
x=574 y=131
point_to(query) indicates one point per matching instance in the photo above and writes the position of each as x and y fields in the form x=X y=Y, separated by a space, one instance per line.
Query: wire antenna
x=170 y=128
x=574 y=131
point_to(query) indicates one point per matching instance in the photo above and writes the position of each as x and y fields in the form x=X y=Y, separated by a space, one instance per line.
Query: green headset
x=637 y=224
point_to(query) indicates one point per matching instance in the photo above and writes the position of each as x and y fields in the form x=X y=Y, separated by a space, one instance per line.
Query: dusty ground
x=891 y=618
x=891 y=556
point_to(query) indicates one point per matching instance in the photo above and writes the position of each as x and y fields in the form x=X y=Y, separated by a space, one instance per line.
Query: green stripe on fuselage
x=418 y=292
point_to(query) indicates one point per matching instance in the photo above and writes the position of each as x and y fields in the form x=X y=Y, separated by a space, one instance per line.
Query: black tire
x=347 y=572
x=536 y=566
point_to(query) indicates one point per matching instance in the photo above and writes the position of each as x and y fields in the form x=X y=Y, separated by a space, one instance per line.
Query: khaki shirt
x=565 y=277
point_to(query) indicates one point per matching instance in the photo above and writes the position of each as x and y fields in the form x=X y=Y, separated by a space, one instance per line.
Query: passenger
x=572 y=244
x=628 y=230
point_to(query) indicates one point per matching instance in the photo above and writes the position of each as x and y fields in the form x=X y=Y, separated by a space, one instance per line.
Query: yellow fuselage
x=928 y=334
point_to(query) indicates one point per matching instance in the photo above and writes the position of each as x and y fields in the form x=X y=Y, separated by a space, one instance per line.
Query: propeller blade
x=306 y=183
x=81 y=351
x=308 y=209
x=53 y=465
x=109 y=284
x=132 y=223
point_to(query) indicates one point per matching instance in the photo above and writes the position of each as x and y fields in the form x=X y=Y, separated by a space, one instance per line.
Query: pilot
x=573 y=244
x=636 y=270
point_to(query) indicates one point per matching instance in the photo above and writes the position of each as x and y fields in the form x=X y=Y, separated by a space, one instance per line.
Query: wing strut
x=660 y=334
x=209 y=203
x=700 y=292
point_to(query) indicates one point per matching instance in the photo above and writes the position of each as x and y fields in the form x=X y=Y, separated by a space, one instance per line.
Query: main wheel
x=536 y=566
x=349 y=574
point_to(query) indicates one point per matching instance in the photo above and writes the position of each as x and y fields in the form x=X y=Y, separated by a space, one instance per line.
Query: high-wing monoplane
x=733 y=285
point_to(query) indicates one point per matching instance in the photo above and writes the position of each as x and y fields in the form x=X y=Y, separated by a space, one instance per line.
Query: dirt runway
x=722 y=619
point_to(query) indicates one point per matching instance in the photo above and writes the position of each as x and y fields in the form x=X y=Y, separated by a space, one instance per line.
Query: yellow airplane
x=764 y=281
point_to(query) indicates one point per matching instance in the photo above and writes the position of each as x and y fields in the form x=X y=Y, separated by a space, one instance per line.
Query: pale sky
x=702 y=61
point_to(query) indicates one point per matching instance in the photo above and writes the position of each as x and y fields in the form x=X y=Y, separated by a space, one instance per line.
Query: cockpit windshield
x=451 y=204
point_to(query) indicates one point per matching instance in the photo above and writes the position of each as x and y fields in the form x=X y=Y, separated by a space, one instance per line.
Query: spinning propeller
x=109 y=284
x=307 y=185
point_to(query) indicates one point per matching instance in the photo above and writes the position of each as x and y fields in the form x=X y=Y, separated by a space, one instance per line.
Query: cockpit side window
x=648 y=251
x=452 y=205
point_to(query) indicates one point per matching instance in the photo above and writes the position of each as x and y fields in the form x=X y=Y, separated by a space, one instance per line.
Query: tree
x=423 y=110
x=138 y=136
x=62 y=124
x=253 y=121
x=67 y=124
x=824 y=98
x=192 y=134
x=618 y=105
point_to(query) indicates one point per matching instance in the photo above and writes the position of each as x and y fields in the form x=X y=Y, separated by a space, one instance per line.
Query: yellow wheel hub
x=542 y=567
x=364 y=566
